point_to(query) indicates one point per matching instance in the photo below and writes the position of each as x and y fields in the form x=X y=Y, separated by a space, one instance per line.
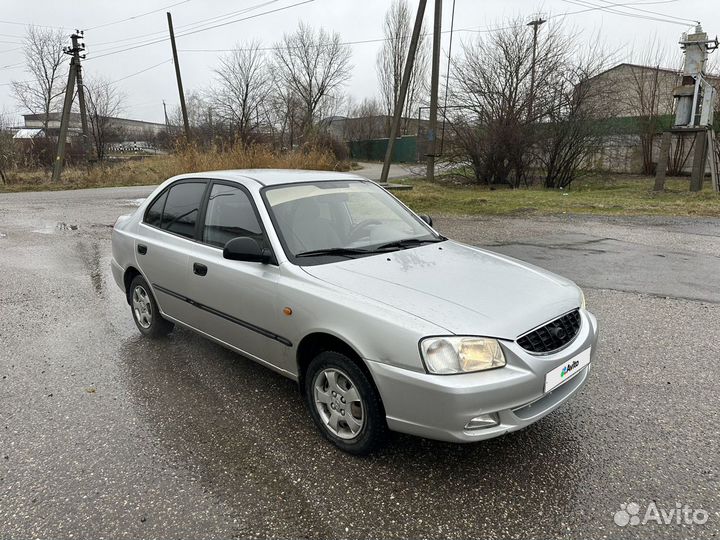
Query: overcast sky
x=355 y=20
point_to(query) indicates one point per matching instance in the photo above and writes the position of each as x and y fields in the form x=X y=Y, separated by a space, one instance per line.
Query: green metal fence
x=404 y=150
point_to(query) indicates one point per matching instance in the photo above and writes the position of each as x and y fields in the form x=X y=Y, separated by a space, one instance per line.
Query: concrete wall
x=623 y=154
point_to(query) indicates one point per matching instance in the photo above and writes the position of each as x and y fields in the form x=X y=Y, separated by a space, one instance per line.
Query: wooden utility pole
x=64 y=121
x=186 y=124
x=77 y=48
x=699 y=159
x=661 y=169
x=400 y=105
x=535 y=24
x=74 y=74
x=434 y=87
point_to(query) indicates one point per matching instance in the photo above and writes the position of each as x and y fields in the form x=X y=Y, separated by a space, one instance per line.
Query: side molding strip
x=239 y=322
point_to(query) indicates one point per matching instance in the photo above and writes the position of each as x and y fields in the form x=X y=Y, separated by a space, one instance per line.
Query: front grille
x=552 y=336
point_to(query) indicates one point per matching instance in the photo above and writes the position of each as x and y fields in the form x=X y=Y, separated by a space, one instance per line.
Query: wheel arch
x=130 y=273
x=316 y=342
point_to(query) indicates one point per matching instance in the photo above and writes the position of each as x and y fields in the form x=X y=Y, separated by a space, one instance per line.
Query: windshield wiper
x=343 y=252
x=408 y=242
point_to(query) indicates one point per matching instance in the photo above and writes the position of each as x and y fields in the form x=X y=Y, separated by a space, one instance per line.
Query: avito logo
x=567 y=369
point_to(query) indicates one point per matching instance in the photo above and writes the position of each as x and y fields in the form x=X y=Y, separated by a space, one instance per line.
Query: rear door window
x=153 y=216
x=182 y=208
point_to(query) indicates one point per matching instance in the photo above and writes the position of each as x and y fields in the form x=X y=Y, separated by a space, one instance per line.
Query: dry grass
x=155 y=169
x=604 y=194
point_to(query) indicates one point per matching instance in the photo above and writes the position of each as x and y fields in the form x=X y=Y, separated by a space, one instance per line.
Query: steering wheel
x=355 y=232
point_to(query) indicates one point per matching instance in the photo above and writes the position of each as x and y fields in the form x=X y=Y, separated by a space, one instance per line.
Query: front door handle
x=199 y=269
x=142 y=249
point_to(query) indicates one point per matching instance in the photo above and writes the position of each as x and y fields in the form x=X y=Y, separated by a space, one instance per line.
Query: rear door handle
x=199 y=269
x=142 y=249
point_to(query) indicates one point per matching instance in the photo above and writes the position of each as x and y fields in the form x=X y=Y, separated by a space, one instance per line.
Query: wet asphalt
x=104 y=434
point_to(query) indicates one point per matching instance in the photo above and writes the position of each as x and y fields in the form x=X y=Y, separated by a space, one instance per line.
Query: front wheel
x=344 y=403
x=145 y=310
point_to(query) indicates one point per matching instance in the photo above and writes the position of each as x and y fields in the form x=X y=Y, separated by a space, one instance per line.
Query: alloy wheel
x=338 y=403
x=142 y=308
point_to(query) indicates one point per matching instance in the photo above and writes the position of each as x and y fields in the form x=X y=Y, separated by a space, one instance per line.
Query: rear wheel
x=145 y=310
x=344 y=403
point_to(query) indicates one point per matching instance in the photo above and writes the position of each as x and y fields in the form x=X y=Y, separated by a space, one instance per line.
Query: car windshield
x=342 y=219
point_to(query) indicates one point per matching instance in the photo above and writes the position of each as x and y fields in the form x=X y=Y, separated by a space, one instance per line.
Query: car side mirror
x=244 y=248
x=427 y=219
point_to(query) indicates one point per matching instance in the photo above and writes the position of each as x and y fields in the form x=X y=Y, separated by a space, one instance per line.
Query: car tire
x=145 y=310
x=344 y=403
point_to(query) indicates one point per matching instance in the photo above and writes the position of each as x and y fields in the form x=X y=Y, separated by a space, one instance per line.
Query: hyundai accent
x=331 y=281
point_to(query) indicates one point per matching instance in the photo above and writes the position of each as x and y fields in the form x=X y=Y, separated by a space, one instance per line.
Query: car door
x=166 y=238
x=238 y=300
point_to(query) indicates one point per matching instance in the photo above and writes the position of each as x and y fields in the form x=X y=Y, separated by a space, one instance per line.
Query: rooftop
x=273 y=177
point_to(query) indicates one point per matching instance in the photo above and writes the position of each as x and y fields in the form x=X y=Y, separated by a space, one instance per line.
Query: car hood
x=463 y=289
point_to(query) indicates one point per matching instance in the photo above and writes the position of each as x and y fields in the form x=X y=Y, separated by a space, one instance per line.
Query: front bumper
x=440 y=406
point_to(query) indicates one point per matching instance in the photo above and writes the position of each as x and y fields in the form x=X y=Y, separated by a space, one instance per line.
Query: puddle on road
x=91 y=257
x=51 y=229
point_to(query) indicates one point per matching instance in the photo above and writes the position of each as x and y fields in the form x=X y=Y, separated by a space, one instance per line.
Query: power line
x=693 y=21
x=607 y=9
x=479 y=30
x=196 y=24
x=358 y=42
x=201 y=30
x=33 y=24
x=11 y=50
x=17 y=23
x=11 y=66
x=142 y=71
x=138 y=16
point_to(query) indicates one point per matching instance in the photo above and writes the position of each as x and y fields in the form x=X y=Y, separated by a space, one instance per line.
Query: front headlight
x=582 y=298
x=456 y=354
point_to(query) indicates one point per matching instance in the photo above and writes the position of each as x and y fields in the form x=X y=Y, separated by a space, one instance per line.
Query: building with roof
x=126 y=128
x=631 y=90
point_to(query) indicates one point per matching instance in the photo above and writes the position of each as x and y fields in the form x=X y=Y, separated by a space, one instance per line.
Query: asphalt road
x=104 y=434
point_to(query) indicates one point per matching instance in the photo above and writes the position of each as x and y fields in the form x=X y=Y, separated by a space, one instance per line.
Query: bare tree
x=312 y=66
x=365 y=121
x=40 y=94
x=397 y=28
x=505 y=133
x=104 y=102
x=574 y=121
x=285 y=113
x=8 y=148
x=200 y=117
x=649 y=97
x=491 y=82
x=242 y=90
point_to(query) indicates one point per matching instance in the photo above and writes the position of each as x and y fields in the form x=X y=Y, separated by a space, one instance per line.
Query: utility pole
x=77 y=48
x=179 y=78
x=167 y=120
x=73 y=73
x=694 y=110
x=434 y=87
x=535 y=24
x=400 y=105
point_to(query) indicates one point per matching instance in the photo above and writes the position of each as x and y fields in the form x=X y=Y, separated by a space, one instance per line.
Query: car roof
x=272 y=177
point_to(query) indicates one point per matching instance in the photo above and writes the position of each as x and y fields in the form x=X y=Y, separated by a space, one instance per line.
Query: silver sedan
x=331 y=281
